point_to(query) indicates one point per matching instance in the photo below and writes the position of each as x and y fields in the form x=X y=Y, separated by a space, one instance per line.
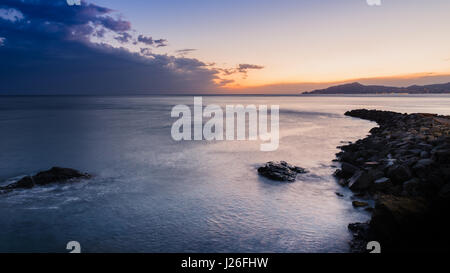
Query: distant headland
x=357 y=88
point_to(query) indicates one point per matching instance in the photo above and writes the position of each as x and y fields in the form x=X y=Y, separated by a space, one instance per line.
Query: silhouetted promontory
x=357 y=88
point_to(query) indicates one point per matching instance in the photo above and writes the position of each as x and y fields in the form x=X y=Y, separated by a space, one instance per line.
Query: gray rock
x=445 y=191
x=376 y=174
x=414 y=151
x=424 y=154
x=442 y=156
x=343 y=182
x=280 y=171
x=382 y=183
x=348 y=170
x=422 y=166
x=54 y=175
x=425 y=146
x=399 y=173
x=410 y=187
x=360 y=233
x=58 y=175
x=361 y=180
x=24 y=183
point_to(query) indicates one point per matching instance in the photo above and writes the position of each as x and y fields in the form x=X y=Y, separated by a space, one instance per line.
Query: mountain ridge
x=358 y=88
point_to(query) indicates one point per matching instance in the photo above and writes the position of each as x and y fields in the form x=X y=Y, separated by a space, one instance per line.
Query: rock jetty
x=404 y=165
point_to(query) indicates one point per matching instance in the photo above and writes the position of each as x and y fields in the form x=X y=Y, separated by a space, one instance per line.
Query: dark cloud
x=48 y=49
x=225 y=82
x=124 y=37
x=146 y=51
x=145 y=40
x=100 y=33
x=161 y=42
x=11 y=14
x=228 y=71
x=184 y=52
x=149 y=41
x=243 y=68
x=56 y=19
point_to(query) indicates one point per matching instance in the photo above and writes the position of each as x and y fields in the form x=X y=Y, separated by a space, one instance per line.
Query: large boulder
x=421 y=167
x=54 y=175
x=360 y=181
x=399 y=174
x=280 y=171
x=411 y=186
x=348 y=170
x=442 y=155
x=58 y=175
x=395 y=219
x=382 y=184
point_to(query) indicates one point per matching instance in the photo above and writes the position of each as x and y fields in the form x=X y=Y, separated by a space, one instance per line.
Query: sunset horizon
x=283 y=48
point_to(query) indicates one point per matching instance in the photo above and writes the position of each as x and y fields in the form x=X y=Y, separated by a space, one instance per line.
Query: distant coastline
x=359 y=89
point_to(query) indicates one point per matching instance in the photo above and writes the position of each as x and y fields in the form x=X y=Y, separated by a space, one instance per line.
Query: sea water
x=153 y=194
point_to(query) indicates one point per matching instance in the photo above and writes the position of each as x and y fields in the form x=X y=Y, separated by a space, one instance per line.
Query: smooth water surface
x=153 y=194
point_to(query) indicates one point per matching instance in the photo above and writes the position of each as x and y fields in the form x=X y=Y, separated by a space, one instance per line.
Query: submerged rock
x=280 y=171
x=54 y=175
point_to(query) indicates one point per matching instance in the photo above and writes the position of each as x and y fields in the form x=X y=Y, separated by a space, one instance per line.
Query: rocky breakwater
x=54 y=175
x=404 y=165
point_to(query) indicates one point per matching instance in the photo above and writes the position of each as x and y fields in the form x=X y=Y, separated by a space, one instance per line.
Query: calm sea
x=152 y=194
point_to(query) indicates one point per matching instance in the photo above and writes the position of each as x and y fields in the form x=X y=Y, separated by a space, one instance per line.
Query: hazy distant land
x=357 y=88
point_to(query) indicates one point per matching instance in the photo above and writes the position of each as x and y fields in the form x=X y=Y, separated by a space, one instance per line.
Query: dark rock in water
x=348 y=170
x=359 y=204
x=343 y=182
x=24 y=183
x=361 y=234
x=361 y=180
x=339 y=194
x=54 y=175
x=280 y=171
x=57 y=175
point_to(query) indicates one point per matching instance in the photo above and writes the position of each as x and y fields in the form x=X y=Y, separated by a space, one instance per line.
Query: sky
x=220 y=46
